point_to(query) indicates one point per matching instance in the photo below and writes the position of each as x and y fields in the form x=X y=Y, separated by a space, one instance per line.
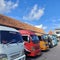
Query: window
x=25 y=38
x=57 y=32
x=35 y=38
x=44 y=37
x=40 y=38
x=10 y=37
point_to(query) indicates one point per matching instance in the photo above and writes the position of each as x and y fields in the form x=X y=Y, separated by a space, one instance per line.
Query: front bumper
x=21 y=58
x=45 y=48
x=35 y=53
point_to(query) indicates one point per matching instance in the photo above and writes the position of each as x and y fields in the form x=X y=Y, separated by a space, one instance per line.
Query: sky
x=39 y=13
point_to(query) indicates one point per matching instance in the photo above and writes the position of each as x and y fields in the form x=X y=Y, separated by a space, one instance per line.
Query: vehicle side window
x=57 y=32
x=25 y=38
x=40 y=38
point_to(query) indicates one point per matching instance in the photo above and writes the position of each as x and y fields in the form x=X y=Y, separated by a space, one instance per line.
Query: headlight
x=3 y=57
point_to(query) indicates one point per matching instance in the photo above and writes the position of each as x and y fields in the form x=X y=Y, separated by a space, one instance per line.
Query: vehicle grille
x=37 y=47
x=15 y=56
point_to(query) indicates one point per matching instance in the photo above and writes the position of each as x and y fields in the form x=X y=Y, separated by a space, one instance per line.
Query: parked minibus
x=46 y=37
x=43 y=43
x=53 y=39
x=31 y=43
x=55 y=36
x=11 y=44
x=49 y=39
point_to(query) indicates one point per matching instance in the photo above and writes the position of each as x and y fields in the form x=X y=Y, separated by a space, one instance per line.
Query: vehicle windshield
x=10 y=37
x=54 y=37
x=51 y=37
x=45 y=37
x=35 y=38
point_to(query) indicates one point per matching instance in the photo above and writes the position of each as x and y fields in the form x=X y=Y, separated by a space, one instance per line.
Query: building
x=7 y=21
x=50 y=32
x=57 y=32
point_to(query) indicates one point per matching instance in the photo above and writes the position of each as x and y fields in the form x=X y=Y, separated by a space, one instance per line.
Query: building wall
x=57 y=32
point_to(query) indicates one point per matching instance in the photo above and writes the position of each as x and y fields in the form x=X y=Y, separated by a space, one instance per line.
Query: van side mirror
x=28 y=39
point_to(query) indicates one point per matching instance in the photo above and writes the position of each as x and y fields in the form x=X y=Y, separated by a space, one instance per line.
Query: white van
x=11 y=44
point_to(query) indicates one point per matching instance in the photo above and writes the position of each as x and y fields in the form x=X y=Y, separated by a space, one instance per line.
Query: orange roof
x=4 y=20
x=51 y=32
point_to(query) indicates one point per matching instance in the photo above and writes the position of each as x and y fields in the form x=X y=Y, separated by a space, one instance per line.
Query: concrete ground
x=52 y=54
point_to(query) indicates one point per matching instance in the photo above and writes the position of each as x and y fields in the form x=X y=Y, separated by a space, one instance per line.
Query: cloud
x=56 y=23
x=41 y=26
x=28 y=23
x=54 y=20
x=7 y=6
x=56 y=26
x=35 y=13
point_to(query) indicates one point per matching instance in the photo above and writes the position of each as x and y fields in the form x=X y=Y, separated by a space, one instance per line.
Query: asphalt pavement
x=52 y=54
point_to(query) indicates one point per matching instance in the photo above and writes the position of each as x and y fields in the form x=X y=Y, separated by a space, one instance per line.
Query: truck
x=31 y=43
x=11 y=44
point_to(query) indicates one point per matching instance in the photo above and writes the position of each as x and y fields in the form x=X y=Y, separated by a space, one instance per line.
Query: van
x=53 y=39
x=11 y=44
x=49 y=39
x=43 y=42
x=31 y=43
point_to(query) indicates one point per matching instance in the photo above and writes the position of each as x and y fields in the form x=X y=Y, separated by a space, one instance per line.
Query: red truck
x=31 y=43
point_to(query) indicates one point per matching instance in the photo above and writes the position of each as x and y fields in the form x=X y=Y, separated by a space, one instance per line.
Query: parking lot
x=52 y=54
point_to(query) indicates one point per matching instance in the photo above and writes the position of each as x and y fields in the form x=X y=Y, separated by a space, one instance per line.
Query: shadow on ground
x=33 y=58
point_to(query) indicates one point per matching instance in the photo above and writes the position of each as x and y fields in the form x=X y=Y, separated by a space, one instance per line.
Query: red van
x=31 y=43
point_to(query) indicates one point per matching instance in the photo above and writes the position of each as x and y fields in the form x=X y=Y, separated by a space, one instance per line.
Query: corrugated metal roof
x=4 y=20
